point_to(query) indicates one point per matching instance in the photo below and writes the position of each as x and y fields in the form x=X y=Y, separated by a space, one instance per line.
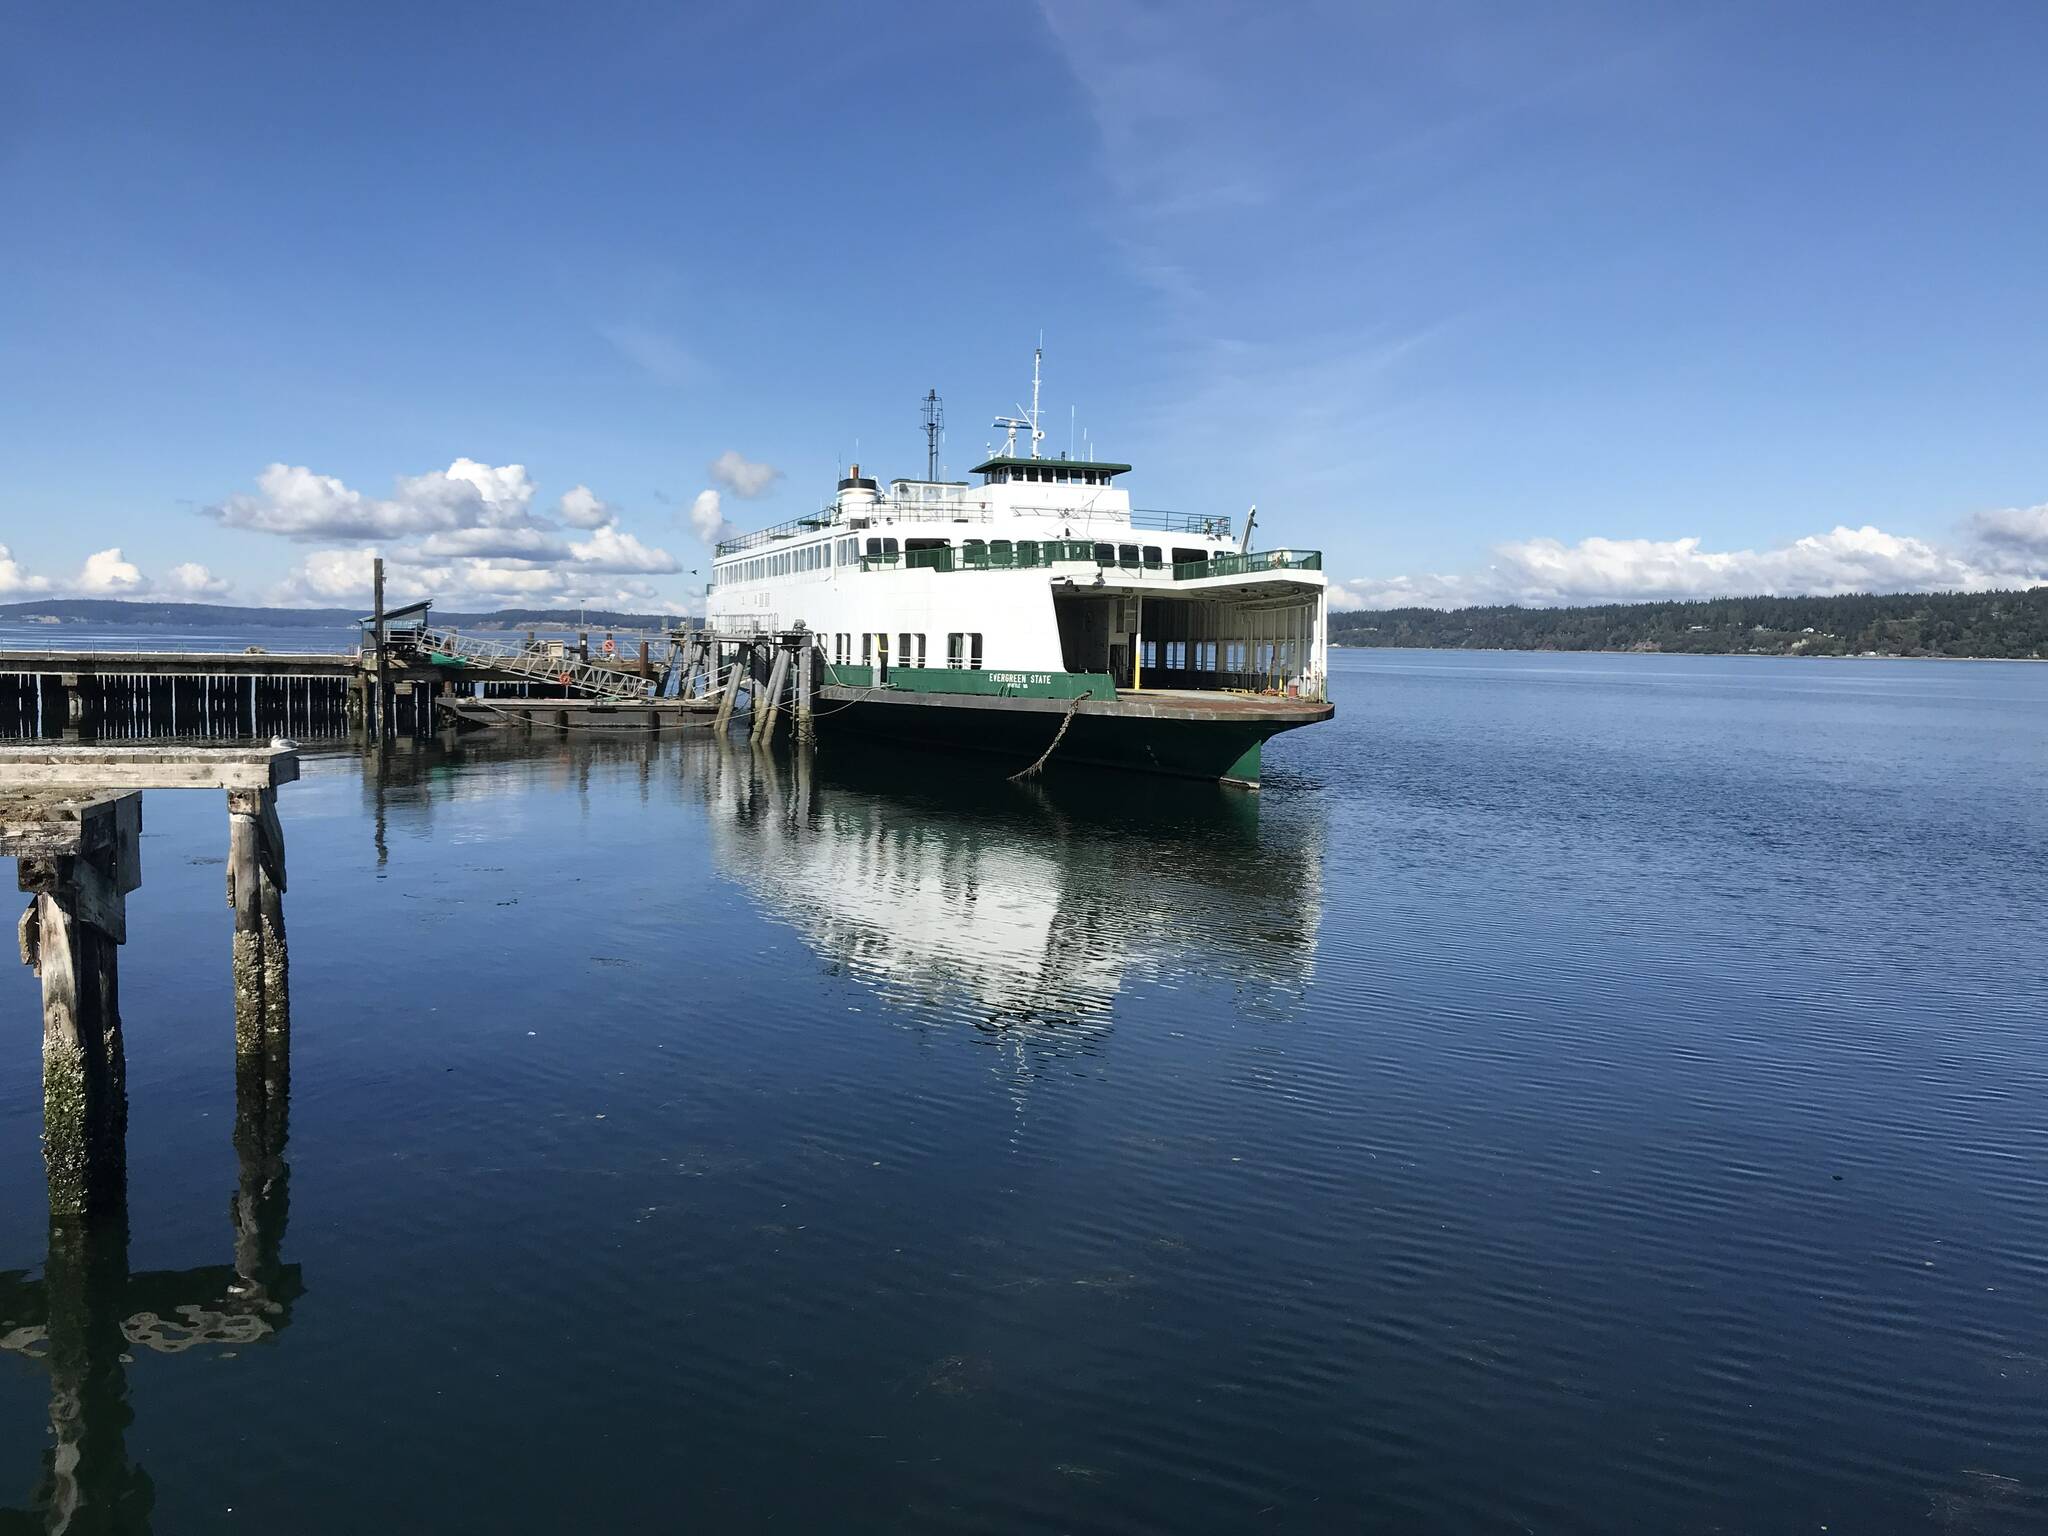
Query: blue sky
x=1544 y=303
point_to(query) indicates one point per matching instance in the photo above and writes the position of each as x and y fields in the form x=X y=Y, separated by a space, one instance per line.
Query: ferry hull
x=1216 y=737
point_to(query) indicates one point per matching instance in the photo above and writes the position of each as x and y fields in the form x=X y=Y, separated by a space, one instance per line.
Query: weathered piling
x=806 y=661
x=79 y=859
x=768 y=706
x=731 y=695
x=78 y=853
x=256 y=875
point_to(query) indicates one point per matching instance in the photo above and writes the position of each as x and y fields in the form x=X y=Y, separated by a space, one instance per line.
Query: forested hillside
x=2013 y=624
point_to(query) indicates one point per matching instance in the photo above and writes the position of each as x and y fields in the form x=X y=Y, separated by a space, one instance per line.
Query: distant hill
x=1982 y=624
x=219 y=616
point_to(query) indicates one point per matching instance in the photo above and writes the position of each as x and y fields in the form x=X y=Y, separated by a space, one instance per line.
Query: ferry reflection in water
x=1024 y=907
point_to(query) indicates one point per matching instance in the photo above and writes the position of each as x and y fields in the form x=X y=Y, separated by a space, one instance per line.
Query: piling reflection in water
x=88 y=1316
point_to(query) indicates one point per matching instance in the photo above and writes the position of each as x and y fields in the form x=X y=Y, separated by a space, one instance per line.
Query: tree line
x=1983 y=624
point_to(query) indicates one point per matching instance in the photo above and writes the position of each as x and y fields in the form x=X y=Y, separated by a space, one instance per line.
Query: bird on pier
x=283 y=744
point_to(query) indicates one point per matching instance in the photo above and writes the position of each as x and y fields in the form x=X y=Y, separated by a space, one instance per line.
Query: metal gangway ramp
x=535 y=664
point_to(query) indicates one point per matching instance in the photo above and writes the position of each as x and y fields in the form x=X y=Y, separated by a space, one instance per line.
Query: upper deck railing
x=794 y=528
x=1145 y=519
x=1032 y=554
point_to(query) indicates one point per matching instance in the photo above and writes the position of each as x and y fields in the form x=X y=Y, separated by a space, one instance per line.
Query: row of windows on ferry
x=1046 y=474
x=963 y=649
x=888 y=550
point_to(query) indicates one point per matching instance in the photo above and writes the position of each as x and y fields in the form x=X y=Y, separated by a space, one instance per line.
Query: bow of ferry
x=1034 y=606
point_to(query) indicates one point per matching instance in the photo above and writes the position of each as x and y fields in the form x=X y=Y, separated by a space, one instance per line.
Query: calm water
x=1578 y=1094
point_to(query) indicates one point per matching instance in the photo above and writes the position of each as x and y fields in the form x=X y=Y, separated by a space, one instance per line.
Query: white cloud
x=1549 y=573
x=2023 y=530
x=195 y=581
x=468 y=536
x=106 y=574
x=15 y=580
x=580 y=508
x=296 y=503
x=491 y=544
x=341 y=577
x=742 y=476
x=610 y=549
x=707 y=517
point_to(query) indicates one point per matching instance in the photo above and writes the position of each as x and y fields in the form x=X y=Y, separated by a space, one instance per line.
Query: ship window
x=1190 y=556
x=1105 y=554
x=956 y=650
x=1176 y=655
x=920 y=650
x=1152 y=557
x=888 y=546
x=1127 y=556
x=874 y=546
x=1027 y=551
x=903 y=649
x=974 y=651
x=1148 y=654
x=867 y=650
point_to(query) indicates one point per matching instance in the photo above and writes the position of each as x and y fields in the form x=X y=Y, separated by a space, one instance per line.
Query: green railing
x=1031 y=554
x=1240 y=565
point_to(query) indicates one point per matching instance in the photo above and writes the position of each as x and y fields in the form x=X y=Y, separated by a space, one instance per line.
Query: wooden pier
x=71 y=818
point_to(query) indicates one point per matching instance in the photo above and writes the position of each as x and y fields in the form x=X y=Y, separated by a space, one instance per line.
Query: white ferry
x=990 y=614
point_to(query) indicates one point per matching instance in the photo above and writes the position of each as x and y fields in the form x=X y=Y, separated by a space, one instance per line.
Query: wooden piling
x=730 y=696
x=769 y=705
x=383 y=702
x=256 y=884
x=806 y=659
x=70 y=937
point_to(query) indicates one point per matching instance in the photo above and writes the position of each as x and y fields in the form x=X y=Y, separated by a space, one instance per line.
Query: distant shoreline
x=1588 y=650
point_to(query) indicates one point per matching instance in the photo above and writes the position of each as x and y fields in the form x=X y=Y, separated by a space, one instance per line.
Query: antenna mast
x=934 y=424
x=1037 y=357
x=1012 y=424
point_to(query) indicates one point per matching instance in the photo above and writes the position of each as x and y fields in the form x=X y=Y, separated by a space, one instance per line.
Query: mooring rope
x=1058 y=736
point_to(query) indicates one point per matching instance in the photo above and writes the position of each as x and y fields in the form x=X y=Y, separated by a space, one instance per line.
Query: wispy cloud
x=656 y=353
